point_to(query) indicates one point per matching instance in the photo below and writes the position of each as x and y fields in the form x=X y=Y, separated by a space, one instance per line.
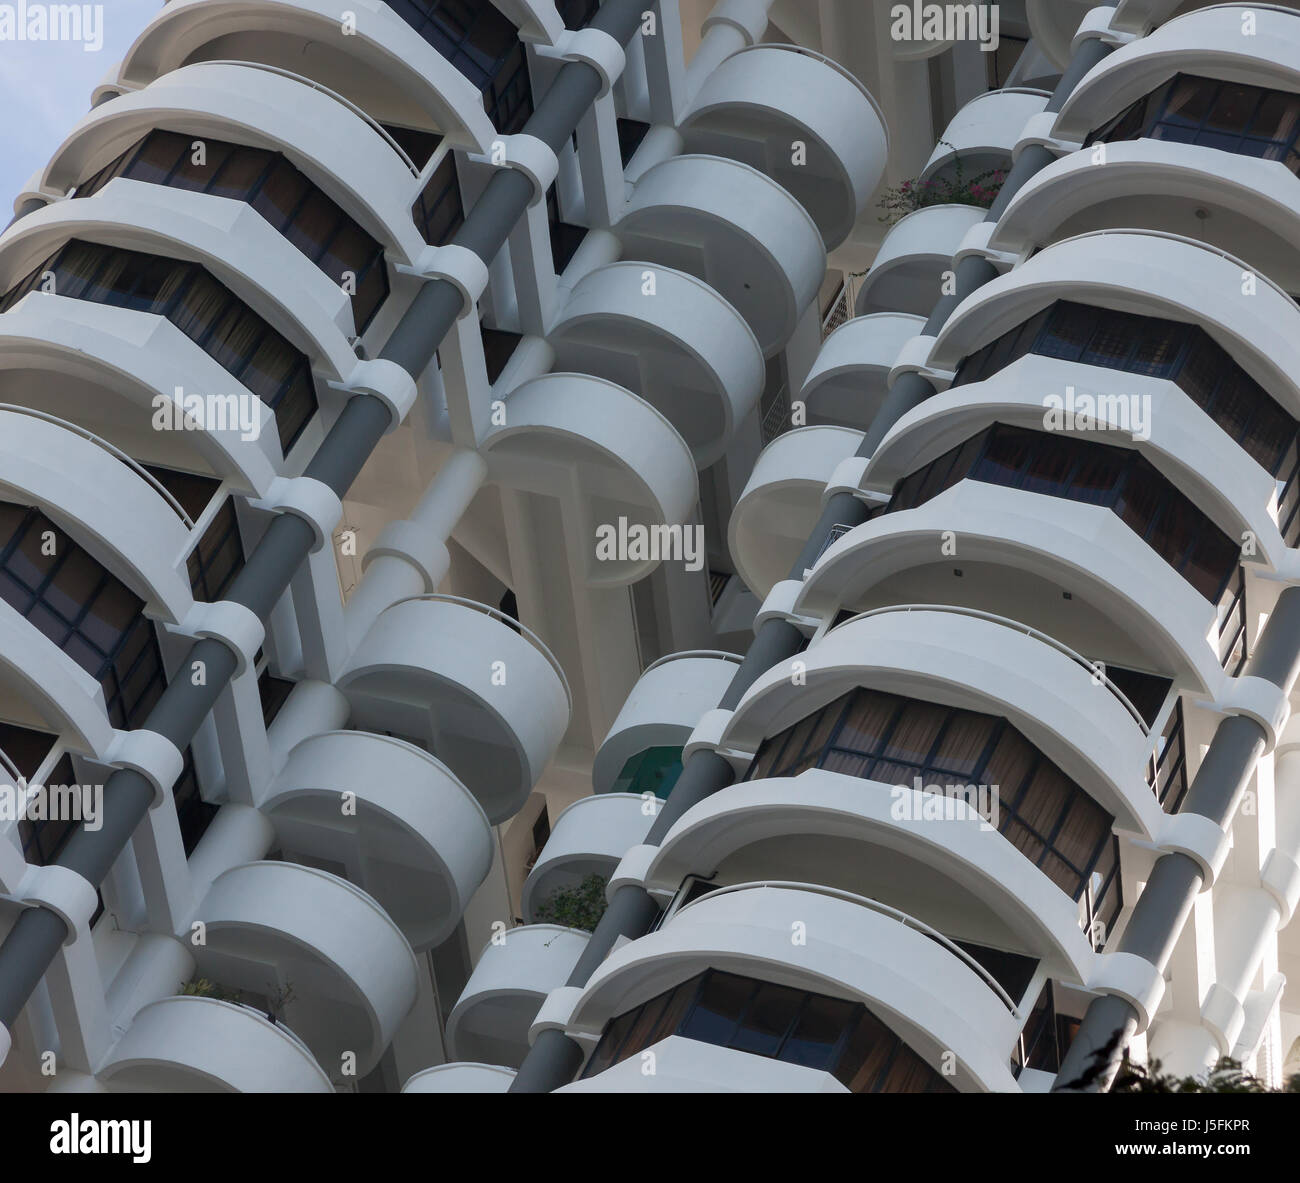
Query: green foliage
x=202 y=988
x=1227 y=1076
x=580 y=906
x=955 y=189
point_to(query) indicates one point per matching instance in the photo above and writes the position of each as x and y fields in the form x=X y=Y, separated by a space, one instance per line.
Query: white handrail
x=509 y=622
x=717 y=654
x=1007 y=622
x=116 y=453
x=348 y=103
x=875 y=906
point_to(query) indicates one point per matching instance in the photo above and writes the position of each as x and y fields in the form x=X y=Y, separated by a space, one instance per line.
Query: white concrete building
x=820 y=484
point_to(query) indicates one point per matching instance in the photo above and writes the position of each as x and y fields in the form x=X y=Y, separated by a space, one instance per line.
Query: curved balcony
x=1207 y=42
x=1180 y=439
x=683 y=349
x=737 y=230
x=589 y=838
x=380 y=64
x=104 y=367
x=924 y=989
x=1054 y=23
x=973 y=661
x=906 y=275
x=688 y=1066
x=782 y=501
x=568 y=433
x=1140 y=271
x=1239 y=204
x=1124 y=599
x=344 y=152
x=461 y=1078
x=863 y=843
x=42 y=686
x=491 y=1019
x=766 y=98
x=850 y=378
x=229 y=239
x=470 y=684
x=189 y=1044
x=113 y=506
x=662 y=710
x=415 y=839
x=277 y=926
x=984 y=133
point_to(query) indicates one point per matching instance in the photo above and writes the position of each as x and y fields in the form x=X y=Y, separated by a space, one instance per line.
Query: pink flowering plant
x=953 y=188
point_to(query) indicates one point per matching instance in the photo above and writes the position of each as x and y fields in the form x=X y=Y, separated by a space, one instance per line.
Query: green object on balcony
x=653 y=771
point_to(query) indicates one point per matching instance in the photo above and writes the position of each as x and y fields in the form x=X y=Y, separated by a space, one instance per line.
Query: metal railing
x=116 y=453
x=1232 y=626
x=1093 y=668
x=776 y=416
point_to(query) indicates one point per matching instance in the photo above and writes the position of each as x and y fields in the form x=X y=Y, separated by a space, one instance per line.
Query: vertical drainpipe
x=39 y=931
x=554 y=1058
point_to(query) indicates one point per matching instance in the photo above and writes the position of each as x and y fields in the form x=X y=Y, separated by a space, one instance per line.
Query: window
x=565 y=237
x=654 y=770
x=273 y=692
x=90 y=615
x=1246 y=120
x=484 y=46
x=1183 y=353
x=438 y=211
x=1120 y=479
x=277 y=190
x=577 y=14
x=777 y=1022
x=205 y=311
x=218 y=557
x=192 y=811
x=900 y=741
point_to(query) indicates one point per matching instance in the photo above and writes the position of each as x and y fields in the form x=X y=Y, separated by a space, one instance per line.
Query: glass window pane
x=281 y=193
x=717 y=1011
x=865 y=723
x=189 y=175
x=914 y=733
x=158 y=155
x=821 y=1023
x=239 y=173
x=1233 y=109
x=1006 y=456
x=1189 y=101
x=770 y=1015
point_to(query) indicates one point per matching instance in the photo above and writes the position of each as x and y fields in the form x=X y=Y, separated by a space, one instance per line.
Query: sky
x=45 y=86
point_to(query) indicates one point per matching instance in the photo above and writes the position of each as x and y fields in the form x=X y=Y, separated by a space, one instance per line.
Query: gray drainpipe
x=1162 y=908
x=554 y=1058
x=38 y=933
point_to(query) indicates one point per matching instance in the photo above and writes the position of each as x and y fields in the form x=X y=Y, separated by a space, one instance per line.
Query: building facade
x=648 y=546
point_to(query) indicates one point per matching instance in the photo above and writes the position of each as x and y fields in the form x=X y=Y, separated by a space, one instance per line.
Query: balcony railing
x=1167 y=767
x=776 y=415
x=1232 y=625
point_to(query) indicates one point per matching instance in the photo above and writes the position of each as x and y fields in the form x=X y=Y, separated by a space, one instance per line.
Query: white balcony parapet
x=907 y=272
x=849 y=379
x=461 y=1078
x=196 y=1044
x=513 y=975
x=791 y=96
x=983 y=134
x=782 y=501
x=475 y=686
x=736 y=229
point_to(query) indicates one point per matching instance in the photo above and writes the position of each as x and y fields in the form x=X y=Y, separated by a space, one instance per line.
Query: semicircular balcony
x=850 y=378
x=1054 y=23
x=105 y=369
x=878 y=969
x=907 y=272
x=340 y=967
x=115 y=508
x=1139 y=272
x=737 y=230
x=461 y=1078
x=1188 y=443
x=469 y=683
x=682 y=348
x=767 y=98
x=228 y=240
x=782 y=501
x=632 y=472
x=642 y=751
x=346 y=154
x=1238 y=203
x=971 y=660
x=848 y=832
x=1206 y=43
x=377 y=61
x=414 y=838
x=1079 y=572
x=513 y=975
x=983 y=134
x=590 y=837
x=192 y=1044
